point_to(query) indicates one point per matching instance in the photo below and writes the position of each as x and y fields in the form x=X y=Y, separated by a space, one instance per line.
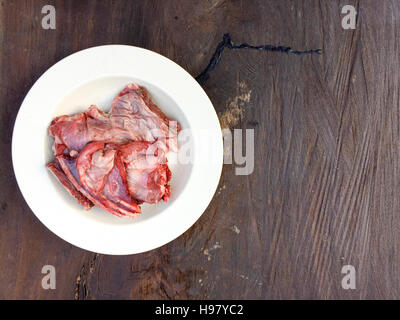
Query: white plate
x=94 y=76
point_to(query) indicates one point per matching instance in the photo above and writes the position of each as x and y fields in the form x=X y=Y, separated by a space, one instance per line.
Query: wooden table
x=325 y=189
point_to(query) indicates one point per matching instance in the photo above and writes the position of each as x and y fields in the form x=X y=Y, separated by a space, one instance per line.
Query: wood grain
x=324 y=192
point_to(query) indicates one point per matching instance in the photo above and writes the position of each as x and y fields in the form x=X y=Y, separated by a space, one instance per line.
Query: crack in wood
x=228 y=43
x=81 y=289
x=165 y=291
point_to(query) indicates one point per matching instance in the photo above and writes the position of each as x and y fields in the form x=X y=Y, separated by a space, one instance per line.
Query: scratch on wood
x=220 y=189
x=235 y=229
x=234 y=112
x=207 y=252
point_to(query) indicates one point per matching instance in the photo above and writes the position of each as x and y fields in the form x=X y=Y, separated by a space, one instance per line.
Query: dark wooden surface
x=326 y=185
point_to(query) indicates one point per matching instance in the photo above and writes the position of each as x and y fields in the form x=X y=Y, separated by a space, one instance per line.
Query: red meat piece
x=118 y=159
x=133 y=117
x=147 y=171
x=68 y=165
x=63 y=179
x=134 y=110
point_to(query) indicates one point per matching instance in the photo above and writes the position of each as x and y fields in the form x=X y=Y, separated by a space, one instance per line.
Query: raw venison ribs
x=115 y=160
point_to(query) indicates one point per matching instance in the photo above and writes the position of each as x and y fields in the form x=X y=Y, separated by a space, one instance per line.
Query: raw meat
x=68 y=165
x=115 y=160
x=94 y=164
x=147 y=172
x=69 y=132
x=134 y=111
x=60 y=175
x=133 y=117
